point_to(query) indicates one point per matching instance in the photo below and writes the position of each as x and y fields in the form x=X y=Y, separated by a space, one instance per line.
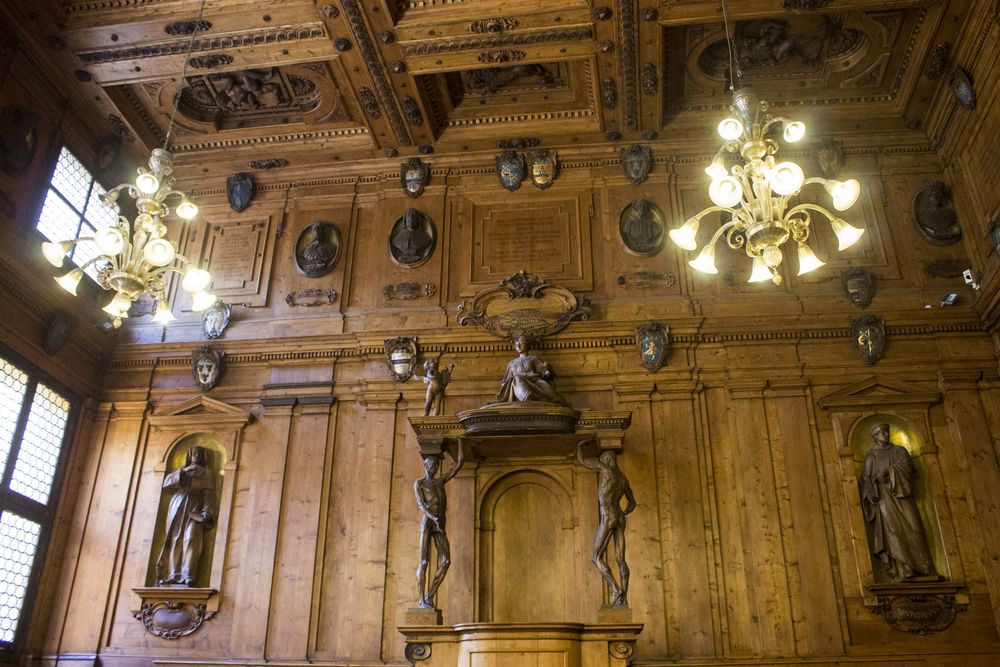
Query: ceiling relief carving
x=253 y=98
x=808 y=57
x=518 y=78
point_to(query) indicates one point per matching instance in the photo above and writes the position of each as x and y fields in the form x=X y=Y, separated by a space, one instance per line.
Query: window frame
x=29 y=508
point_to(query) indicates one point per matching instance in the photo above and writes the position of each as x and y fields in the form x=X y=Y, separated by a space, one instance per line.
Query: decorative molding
x=501 y=56
x=295 y=137
x=621 y=650
x=628 y=54
x=650 y=80
x=805 y=5
x=186 y=28
x=369 y=104
x=372 y=60
x=409 y=290
x=609 y=94
x=270 y=163
x=159 y=618
x=518 y=143
x=272 y=36
x=412 y=111
x=497 y=40
x=214 y=60
x=493 y=25
x=310 y=298
x=329 y=11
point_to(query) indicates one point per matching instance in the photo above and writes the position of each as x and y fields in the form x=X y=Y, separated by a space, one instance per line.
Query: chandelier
x=757 y=195
x=134 y=258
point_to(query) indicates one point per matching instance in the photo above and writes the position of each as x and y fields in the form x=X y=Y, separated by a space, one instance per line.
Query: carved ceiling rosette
x=523 y=305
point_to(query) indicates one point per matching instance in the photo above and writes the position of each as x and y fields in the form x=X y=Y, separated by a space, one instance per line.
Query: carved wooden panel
x=238 y=252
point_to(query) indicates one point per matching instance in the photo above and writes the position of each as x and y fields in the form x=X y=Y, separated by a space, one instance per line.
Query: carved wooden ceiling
x=304 y=82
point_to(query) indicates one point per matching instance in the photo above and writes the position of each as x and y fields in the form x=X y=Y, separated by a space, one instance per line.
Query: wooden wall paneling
x=688 y=520
x=761 y=520
x=292 y=605
x=644 y=539
x=805 y=532
x=262 y=482
x=101 y=543
x=351 y=609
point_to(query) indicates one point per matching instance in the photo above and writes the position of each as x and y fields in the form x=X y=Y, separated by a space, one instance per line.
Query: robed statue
x=887 y=484
x=528 y=378
x=190 y=515
x=433 y=503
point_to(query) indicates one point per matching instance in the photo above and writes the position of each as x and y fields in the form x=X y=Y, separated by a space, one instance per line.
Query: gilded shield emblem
x=636 y=161
x=652 y=341
x=510 y=169
x=868 y=333
x=414 y=175
x=543 y=169
x=239 y=191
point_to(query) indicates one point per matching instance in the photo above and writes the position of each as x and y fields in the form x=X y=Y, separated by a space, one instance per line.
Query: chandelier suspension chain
x=180 y=88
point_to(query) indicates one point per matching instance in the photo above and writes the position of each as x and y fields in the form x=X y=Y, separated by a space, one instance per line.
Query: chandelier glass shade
x=134 y=258
x=757 y=196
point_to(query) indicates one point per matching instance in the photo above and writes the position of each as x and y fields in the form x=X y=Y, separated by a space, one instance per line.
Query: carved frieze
x=501 y=56
x=609 y=93
x=518 y=142
x=412 y=111
x=310 y=298
x=495 y=40
x=495 y=24
x=208 y=43
x=805 y=4
x=187 y=28
x=369 y=104
x=650 y=80
x=523 y=304
x=269 y=163
x=210 y=61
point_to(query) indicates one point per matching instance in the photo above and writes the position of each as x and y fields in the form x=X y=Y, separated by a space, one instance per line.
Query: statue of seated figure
x=528 y=378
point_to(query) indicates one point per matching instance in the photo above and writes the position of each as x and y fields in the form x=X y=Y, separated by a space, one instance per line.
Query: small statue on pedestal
x=887 y=483
x=528 y=378
x=433 y=503
x=189 y=515
x=612 y=486
x=436 y=381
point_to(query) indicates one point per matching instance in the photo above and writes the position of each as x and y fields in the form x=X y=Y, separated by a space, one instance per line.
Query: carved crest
x=868 y=333
x=414 y=174
x=830 y=157
x=171 y=619
x=652 y=341
x=544 y=167
x=206 y=367
x=961 y=87
x=641 y=226
x=239 y=191
x=523 y=304
x=919 y=608
x=412 y=238
x=317 y=249
x=860 y=286
x=401 y=356
x=636 y=161
x=934 y=214
x=215 y=319
x=510 y=170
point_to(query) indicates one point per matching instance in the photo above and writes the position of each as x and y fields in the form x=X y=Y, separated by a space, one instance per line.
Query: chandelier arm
x=818 y=180
x=712 y=209
x=719 y=232
x=802 y=208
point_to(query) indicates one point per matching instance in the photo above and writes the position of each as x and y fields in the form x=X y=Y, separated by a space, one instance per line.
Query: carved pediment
x=200 y=410
x=879 y=392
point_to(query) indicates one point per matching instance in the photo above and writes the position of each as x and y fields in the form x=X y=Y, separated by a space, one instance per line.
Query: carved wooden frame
x=168 y=427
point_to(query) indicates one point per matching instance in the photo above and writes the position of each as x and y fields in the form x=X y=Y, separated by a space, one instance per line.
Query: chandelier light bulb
x=705 y=261
x=846 y=234
x=55 y=253
x=163 y=315
x=760 y=272
x=808 y=261
x=159 y=252
x=147 y=183
x=684 y=235
x=202 y=301
x=187 y=209
x=844 y=193
x=717 y=169
x=196 y=280
x=109 y=240
x=70 y=280
x=786 y=178
x=730 y=129
x=118 y=306
x=794 y=131
x=725 y=192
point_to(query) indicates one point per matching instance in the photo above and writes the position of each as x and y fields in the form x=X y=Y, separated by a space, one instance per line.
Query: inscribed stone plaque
x=237 y=253
x=543 y=238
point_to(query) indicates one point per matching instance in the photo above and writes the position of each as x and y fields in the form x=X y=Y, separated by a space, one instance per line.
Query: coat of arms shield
x=206 y=367
x=543 y=169
x=652 y=340
x=510 y=169
x=239 y=191
x=869 y=337
x=636 y=161
x=414 y=174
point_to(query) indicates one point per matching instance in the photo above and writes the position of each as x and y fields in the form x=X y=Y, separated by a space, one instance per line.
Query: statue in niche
x=433 y=502
x=612 y=486
x=190 y=515
x=411 y=240
x=436 y=381
x=528 y=378
x=887 y=483
x=935 y=214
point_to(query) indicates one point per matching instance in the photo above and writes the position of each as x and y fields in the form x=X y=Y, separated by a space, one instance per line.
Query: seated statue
x=528 y=378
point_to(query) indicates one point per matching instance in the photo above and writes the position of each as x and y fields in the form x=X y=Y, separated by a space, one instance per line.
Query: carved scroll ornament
x=523 y=305
x=172 y=619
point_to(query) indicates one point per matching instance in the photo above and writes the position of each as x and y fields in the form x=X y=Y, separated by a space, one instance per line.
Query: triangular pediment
x=879 y=391
x=200 y=409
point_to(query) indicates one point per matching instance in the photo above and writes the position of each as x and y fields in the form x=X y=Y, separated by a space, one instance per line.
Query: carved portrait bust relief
x=317 y=249
x=412 y=238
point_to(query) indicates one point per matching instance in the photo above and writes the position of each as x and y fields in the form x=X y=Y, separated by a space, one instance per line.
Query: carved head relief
x=636 y=161
x=317 y=249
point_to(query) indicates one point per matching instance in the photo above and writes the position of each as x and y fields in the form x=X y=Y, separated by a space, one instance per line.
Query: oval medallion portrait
x=317 y=249
x=412 y=239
